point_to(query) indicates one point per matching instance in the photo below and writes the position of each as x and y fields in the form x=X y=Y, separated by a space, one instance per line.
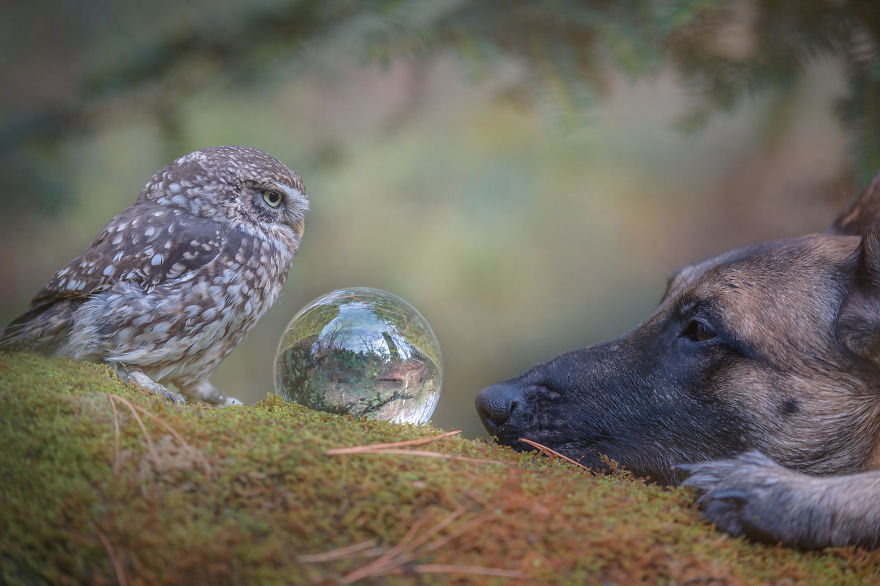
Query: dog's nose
x=496 y=403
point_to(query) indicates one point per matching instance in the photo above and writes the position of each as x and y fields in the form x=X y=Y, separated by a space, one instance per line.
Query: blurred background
x=527 y=174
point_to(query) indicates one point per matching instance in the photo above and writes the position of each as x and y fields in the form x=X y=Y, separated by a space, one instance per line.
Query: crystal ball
x=363 y=352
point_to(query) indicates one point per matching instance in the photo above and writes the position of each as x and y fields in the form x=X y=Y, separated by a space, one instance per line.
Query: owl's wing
x=144 y=245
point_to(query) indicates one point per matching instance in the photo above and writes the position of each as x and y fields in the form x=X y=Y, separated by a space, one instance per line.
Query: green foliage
x=569 y=49
x=100 y=483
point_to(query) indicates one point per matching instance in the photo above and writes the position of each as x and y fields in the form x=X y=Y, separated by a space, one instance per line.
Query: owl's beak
x=299 y=228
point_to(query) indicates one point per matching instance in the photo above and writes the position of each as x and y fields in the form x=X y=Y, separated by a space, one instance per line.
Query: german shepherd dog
x=756 y=381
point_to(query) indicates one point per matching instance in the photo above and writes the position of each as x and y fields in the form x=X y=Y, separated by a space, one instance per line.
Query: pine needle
x=372 y=447
x=554 y=454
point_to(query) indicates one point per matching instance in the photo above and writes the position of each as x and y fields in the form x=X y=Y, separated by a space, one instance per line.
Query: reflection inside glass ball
x=363 y=352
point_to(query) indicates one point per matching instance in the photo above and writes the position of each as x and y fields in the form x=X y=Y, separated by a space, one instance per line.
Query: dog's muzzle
x=495 y=405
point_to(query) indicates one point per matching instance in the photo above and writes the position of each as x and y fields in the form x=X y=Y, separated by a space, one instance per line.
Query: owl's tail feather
x=43 y=328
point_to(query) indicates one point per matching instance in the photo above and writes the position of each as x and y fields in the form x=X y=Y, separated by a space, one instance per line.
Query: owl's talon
x=203 y=390
x=175 y=398
x=121 y=371
x=154 y=388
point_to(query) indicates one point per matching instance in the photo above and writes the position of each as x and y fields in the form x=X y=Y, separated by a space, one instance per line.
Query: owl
x=173 y=283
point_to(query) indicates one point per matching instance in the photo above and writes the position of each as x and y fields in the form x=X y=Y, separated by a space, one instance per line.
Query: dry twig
x=554 y=454
x=372 y=447
x=453 y=569
x=111 y=553
x=134 y=411
x=429 y=454
x=363 y=548
x=177 y=436
x=150 y=447
x=412 y=546
x=457 y=532
x=394 y=448
x=438 y=527
x=394 y=557
x=116 y=462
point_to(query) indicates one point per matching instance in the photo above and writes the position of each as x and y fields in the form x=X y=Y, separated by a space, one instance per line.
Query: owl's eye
x=273 y=197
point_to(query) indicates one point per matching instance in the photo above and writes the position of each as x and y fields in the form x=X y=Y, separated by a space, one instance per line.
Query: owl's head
x=232 y=182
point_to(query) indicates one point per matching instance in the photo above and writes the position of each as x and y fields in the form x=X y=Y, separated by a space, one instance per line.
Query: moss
x=240 y=495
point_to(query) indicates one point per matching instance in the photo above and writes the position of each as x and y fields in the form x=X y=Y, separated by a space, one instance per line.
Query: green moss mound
x=100 y=483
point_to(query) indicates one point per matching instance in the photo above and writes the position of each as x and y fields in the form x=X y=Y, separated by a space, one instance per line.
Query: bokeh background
x=527 y=174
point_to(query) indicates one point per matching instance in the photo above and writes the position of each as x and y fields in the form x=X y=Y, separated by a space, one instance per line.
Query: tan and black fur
x=757 y=378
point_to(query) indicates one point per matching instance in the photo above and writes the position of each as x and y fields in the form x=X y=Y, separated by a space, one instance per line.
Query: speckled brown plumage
x=173 y=283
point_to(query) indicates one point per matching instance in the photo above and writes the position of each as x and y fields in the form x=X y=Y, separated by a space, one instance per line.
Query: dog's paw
x=753 y=496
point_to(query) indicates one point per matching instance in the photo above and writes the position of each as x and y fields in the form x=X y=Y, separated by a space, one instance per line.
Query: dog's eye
x=698 y=331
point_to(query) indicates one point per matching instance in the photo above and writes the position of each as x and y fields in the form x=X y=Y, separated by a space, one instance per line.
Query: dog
x=756 y=382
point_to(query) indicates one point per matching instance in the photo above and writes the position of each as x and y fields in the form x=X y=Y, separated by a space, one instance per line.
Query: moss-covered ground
x=102 y=484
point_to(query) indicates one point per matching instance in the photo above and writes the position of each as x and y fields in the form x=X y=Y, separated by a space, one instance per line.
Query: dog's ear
x=864 y=215
x=858 y=327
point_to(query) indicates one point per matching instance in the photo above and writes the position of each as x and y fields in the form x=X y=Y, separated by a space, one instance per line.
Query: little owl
x=172 y=284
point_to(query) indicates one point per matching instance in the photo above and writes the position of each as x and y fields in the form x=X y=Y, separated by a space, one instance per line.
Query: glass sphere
x=363 y=352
